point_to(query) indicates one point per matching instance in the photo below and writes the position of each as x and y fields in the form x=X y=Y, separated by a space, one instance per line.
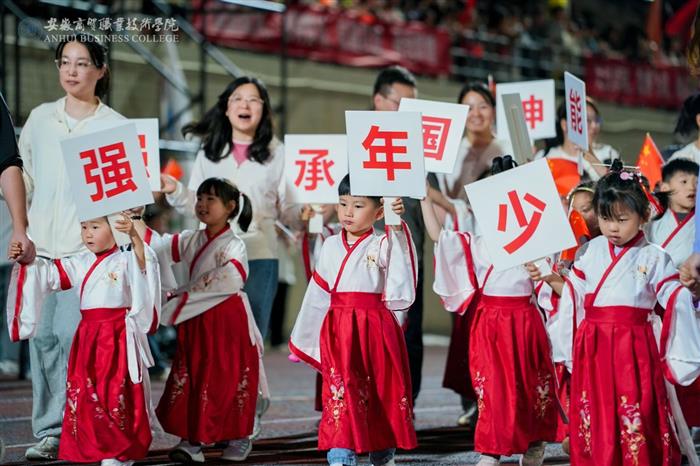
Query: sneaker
x=46 y=449
x=391 y=462
x=185 y=452
x=116 y=462
x=257 y=428
x=237 y=450
x=534 y=456
x=468 y=417
x=486 y=460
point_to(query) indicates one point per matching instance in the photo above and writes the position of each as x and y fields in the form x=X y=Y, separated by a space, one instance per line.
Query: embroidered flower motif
x=405 y=407
x=584 y=428
x=632 y=437
x=72 y=398
x=113 y=277
x=119 y=413
x=371 y=261
x=336 y=403
x=178 y=385
x=543 y=394
x=642 y=271
x=479 y=381
x=99 y=412
x=242 y=394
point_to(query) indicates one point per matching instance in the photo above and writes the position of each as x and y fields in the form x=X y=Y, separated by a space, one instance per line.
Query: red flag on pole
x=650 y=161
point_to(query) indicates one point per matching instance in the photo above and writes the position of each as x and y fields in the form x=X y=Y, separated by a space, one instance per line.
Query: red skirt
x=367 y=404
x=689 y=399
x=513 y=376
x=457 y=375
x=564 y=395
x=212 y=388
x=619 y=408
x=105 y=415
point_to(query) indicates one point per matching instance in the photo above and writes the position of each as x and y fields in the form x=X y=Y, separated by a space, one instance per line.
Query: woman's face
x=481 y=114
x=593 y=124
x=76 y=71
x=244 y=111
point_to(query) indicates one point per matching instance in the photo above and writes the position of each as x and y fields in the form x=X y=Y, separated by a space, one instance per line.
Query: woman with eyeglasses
x=237 y=143
x=93 y=433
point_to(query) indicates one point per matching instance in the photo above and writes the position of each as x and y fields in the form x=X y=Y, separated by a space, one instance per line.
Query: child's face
x=582 y=202
x=624 y=225
x=357 y=214
x=682 y=187
x=97 y=235
x=211 y=210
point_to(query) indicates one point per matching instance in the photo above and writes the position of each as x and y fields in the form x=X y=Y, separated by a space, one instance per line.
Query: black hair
x=392 y=75
x=686 y=122
x=98 y=56
x=227 y=192
x=501 y=164
x=558 y=139
x=620 y=188
x=344 y=190
x=583 y=187
x=667 y=172
x=481 y=89
x=217 y=134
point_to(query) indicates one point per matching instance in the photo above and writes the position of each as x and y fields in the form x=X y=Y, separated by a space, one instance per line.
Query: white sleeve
x=304 y=340
x=397 y=257
x=680 y=335
x=455 y=281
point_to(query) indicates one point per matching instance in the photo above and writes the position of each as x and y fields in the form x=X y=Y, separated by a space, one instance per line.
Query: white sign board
x=576 y=115
x=385 y=153
x=314 y=165
x=520 y=215
x=519 y=136
x=443 y=126
x=147 y=137
x=106 y=171
x=539 y=108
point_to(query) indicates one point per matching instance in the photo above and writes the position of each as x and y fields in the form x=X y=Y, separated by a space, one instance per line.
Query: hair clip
x=627 y=176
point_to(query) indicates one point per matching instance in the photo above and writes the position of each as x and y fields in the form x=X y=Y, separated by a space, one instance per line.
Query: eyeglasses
x=81 y=65
x=238 y=99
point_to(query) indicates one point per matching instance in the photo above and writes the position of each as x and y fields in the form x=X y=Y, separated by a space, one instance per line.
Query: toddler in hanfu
x=106 y=416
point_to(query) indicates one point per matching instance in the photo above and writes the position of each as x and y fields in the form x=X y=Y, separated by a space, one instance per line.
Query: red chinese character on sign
x=534 y=111
x=317 y=169
x=576 y=111
x=388 y=149
x=435 y=132
x=113 y=171
x=144 y=152
x=530 y=225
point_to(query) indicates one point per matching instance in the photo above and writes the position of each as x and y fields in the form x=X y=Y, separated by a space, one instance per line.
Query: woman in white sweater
x=238 y=145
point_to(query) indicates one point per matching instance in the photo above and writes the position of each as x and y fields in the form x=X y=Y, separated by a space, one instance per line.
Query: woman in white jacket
x=53 y=220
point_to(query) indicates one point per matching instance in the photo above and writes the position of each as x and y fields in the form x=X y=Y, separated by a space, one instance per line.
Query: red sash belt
x=356 y=299
x=104 y=314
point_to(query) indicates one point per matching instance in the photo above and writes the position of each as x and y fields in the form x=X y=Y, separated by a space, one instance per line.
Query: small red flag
x=173 y=169
x=581 y=233
x=650 y=161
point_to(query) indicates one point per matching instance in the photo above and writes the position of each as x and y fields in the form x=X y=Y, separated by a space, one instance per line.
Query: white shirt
x=262 y=183
x=53 y=217
x=690 y=152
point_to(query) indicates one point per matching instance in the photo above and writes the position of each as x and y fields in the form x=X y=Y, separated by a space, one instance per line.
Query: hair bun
x=616 y=166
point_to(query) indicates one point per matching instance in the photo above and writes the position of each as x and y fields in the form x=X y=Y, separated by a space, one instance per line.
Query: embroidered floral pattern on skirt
x=632 y=437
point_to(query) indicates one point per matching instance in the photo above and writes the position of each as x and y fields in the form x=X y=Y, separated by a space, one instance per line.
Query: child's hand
x=686 y=277
x=125 y=225
x=534 y=271
x=14 y=250
x=168 y=184
x=135 y=212
x=397 y=206
x=307 y=212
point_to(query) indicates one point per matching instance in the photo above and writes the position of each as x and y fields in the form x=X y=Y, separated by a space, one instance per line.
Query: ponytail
x=244 y=211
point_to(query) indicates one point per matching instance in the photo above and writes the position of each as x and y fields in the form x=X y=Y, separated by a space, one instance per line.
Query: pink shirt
x=240 y=151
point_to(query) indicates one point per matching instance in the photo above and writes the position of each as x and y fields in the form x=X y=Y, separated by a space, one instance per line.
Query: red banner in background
x=331 y=36
x=638 y=84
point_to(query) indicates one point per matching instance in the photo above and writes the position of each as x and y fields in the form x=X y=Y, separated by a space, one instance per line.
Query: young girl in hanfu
x=605 y=329
x=106 y=416
x=509 y=357
x=347 y=331
x=212 y=388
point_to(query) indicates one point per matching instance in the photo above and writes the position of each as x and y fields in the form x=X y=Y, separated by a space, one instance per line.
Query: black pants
x=414 y=337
